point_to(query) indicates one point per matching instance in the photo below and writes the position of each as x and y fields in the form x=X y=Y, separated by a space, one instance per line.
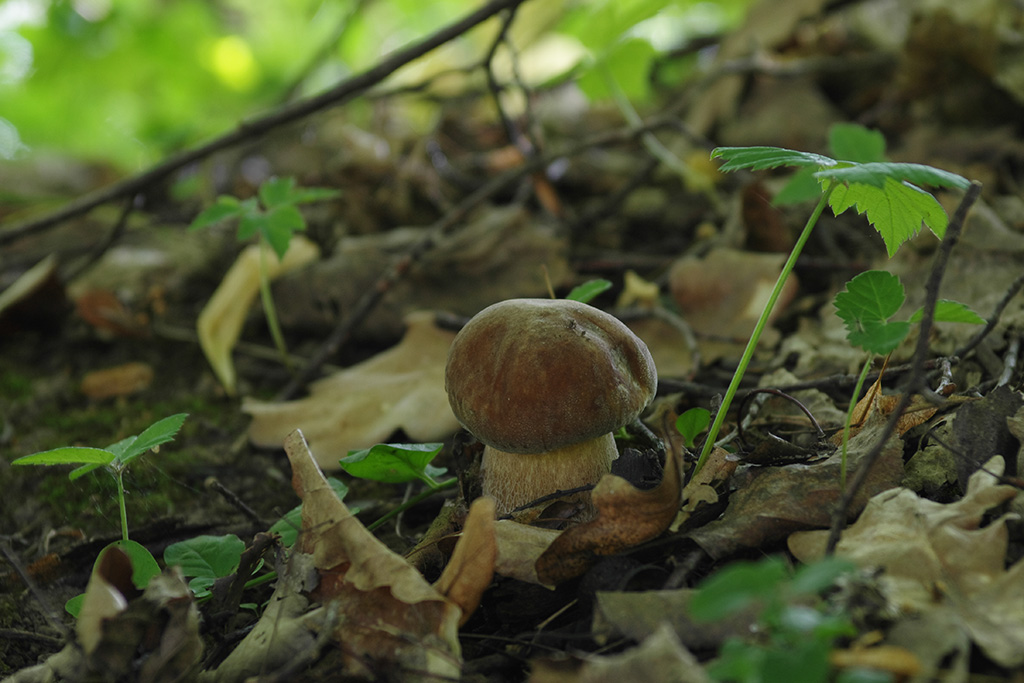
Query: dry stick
x=916 y=383
x=993 y=319
x=254 y=128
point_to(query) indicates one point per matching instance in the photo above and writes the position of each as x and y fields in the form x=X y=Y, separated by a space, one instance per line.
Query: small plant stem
x=762 y=322
x=849 y=421
x=119 y=476
x=423 y=495
x=269 y=310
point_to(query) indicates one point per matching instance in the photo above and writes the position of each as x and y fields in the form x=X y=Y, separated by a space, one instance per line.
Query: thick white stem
x=515 y=479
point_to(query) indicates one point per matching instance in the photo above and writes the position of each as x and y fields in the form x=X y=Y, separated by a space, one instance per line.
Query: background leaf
x=588 y=290
x=947 y=311
x=394 y=463
x=853 y=142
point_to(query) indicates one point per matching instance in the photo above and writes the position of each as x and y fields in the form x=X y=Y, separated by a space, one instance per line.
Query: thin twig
x=254 y=128
x=917 y=381
x=993 y=319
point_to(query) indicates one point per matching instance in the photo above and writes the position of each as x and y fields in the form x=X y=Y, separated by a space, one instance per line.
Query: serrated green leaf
x=854 y=142
x=588 y=290
x=160 y=432
x=865 y=307
x=223 y=208
x=877 y=174
x=394 y=463
x=70 y=455
x=277 y=191
x=281 y=223
x=80 y=472
x=760 y=158
x=896 y=210
x=947 y=311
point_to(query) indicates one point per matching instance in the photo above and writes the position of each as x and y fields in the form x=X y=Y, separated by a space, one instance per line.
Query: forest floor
x=106 y=345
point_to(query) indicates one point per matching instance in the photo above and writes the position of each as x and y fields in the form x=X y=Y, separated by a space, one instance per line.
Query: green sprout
x=886 y=193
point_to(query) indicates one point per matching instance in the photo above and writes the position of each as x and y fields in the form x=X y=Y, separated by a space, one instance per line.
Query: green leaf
x=877 y=174
x=588 y=290
x=277 y=191
x=854 y=142
x=947 y=311
x=394 y=463
x=691 y=423
x=69 y=455
x=206 y=556
x=760 y=158
x=306 y=195
x=802 y=187
x=224 y=208
x=160 y=432
x=281 y=223
x=896 y=210
x=251 y=224
x=865 y=307
x=737 y=587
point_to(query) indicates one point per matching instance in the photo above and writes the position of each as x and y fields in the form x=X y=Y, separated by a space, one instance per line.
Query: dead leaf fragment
x=121 y=380
x=220 y=322
x=938 y=557
x=626 y=517
x=401 y=388
x=471 y=567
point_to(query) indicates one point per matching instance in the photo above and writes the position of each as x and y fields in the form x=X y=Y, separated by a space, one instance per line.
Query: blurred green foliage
x=128 y=81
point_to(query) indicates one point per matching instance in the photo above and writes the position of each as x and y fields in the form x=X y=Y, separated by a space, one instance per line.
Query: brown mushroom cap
x=533 y=375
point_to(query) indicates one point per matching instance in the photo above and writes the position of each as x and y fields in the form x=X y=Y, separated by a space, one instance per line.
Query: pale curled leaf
x=471 y=567
x=220 y=322
x=400 y=388
x=383 y=608
x=939 y=557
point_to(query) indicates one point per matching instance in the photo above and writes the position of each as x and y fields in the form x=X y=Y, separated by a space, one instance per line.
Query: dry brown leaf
x=104 y=599
x=121 y=380
x=702 y=489
x=875 y=403
x=660 y=657
x=938 y=557
x=384 y=609
x=519 y=546
x=722 y=295
x=471 y=567
x=220 y=321
x=772 y=502
x=401 y=388
x=626 y=517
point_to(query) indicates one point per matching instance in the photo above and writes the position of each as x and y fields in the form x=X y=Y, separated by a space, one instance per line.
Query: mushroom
x=543 y=383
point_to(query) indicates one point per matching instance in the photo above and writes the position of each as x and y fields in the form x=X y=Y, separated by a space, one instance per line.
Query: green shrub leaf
x=760 y=158
x=588 y=290
x=69 y=455
x=160 y=432
x=947 y=311
x=395 y=463
x=865 y=307
x=691 y=423
x=737 y=587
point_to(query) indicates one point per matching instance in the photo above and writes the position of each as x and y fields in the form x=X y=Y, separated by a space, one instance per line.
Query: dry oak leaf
x=400 y=388
x=348 y=602
x=471 y=567
x=772 y=502
x=220 y=322
x=874 y=402
x=626 y=517
x=938 y=557
x=702 y=488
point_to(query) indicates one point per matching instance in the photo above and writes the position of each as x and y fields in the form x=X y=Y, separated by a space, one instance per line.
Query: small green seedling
x=586 y=292
x=886 y=193
x=866 y=306
x=115 y=459
x=272 y=217
x=692 y=423
x=794 y=630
